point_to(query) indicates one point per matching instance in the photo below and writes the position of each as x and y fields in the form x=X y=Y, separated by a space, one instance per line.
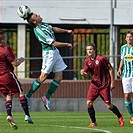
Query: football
x=23 y=11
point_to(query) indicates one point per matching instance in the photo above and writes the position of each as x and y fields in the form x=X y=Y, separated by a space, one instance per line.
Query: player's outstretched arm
x=62 y=44
x=17 y=62
x=60 y=30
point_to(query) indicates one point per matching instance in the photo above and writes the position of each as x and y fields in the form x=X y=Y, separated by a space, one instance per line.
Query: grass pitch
x=65 y=122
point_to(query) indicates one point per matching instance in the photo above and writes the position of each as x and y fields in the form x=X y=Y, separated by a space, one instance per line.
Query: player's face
x=129 y=39
x=90 y=51
x=36 y=18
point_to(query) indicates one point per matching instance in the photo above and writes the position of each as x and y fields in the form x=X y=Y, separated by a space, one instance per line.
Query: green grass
x=65 y=122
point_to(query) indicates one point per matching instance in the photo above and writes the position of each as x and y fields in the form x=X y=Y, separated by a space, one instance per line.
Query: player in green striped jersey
x=52 y=60
x=126 y=71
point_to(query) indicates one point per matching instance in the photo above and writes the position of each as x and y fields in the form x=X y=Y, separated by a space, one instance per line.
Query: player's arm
x=119 y=72
x=61 y=44
x=111 y=70
x=17 y=62
x=60 y=30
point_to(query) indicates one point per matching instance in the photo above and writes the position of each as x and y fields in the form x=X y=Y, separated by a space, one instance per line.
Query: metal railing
x=73 y=71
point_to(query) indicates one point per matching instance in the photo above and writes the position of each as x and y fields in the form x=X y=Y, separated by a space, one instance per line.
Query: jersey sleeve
x=10 y=55
x=85 y=66
x=106 y=63
x=122 y=54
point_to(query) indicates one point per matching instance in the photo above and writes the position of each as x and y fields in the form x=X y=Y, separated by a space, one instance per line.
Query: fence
x=75 y=71
x=74 y=59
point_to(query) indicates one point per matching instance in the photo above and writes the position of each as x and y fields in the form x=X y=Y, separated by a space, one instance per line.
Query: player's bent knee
x=89 y=103
x=109 y=106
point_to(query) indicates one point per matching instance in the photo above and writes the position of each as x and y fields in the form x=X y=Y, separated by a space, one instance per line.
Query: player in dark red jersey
x=102 y=81
x=9 y=84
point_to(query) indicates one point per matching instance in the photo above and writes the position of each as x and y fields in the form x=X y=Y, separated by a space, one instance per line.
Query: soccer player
x=126 y=71
x=9 y=84
x=102 y=81
x=52 y=60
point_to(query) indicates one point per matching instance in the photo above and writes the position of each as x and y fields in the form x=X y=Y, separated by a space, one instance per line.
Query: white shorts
x=52 y=61
x=127 y=85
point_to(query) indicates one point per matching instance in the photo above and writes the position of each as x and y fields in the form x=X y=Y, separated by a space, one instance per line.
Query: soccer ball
x=23 y=11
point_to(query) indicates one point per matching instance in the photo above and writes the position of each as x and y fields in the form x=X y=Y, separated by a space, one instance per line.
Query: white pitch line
x=95 y=129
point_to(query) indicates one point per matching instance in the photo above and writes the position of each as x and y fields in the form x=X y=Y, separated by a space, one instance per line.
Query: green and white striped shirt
x=127 y=57
x=45 y=36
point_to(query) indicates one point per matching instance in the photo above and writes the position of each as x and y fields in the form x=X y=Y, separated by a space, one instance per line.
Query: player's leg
x=8 y=106
x=47 y=66
x=36 y=84
x=128 y=88
x=91 y=112
x=8 y=90
x=52 y=88
x=57 y=65
x=116 y=111
x=91 y=96
x=128 y=103
x=24 y=105
x=105 y=95
x=54 y=84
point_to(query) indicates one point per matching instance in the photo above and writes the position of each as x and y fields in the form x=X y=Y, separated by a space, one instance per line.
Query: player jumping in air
x=52 y=60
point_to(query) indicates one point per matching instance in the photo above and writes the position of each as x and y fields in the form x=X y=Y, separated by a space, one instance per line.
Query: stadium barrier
x=70 y=96
x=71 y=89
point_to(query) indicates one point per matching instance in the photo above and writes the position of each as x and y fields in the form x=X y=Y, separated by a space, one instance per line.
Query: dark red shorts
x=9 y=84
x=94 y=92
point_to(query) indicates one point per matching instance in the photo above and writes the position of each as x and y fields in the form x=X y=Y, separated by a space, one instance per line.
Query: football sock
x=8 y=106
x=53 y=86
x=116 y=111
x=128 y=105
x=23 y=102
x=91 y=113
x=35 y=85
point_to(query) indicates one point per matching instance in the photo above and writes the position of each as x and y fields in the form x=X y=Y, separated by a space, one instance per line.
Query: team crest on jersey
x=129 y=57
x=97 y=62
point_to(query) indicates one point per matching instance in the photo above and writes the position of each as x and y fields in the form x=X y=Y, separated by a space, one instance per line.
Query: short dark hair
x=92 y=44
x=29 y=20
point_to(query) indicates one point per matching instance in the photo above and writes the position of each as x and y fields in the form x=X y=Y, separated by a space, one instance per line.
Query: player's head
x=91 y=44
x=91 y=49
x=34 y=19
x=3 y=38
x=129 y=37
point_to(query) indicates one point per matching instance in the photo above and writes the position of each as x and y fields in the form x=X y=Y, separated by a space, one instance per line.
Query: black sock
x=24 y=105
x=116 y=111
x=91 y=113
x=8 y=106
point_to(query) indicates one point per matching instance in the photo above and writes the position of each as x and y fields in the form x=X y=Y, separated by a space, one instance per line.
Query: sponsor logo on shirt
x=129 y=57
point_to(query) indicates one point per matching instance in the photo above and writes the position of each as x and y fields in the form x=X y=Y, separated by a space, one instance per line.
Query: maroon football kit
x=9 y=83
x=100 y=83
